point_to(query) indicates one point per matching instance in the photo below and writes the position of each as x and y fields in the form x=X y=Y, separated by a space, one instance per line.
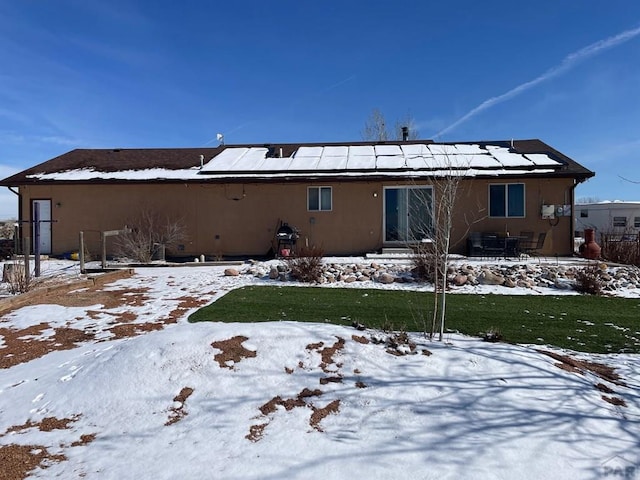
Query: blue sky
x=92 y=74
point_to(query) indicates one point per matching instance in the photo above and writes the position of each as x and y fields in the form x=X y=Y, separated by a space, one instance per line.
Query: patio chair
x=532 y=249
x=493 y=245
x=526 y=237
x=474 y=245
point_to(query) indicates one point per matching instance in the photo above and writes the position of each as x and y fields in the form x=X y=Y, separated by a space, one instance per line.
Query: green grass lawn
x=584 y=323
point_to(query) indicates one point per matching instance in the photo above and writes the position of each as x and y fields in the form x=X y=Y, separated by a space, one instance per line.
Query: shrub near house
x=6 y=238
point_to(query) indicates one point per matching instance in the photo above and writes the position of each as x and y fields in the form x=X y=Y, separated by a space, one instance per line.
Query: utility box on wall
x=548 y=211
x=563 y=210
x=553 y=211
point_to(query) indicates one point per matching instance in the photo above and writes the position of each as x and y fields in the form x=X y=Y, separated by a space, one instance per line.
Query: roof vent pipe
x=271 y=151
x=405 y=134
x=201 y=161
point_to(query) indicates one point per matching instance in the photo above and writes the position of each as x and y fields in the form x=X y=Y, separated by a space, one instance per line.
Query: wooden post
x=81 y=253
x=103 y=241
x=16 y=240
x=27 y=253
x=103 y=236
x=36 y=241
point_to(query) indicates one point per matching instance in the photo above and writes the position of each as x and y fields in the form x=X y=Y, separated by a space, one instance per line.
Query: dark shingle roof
x=175 y=159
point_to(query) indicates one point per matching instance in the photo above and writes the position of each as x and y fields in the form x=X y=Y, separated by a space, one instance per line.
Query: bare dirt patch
x=398 y=344
x=126 y=330
x=134 y=297
x=232 y=351
x=614 y=401
x=603 y=388
x=178 y=412
x=23 y=345
x=301 y=400
x=327 y=353
x=186 y=304
x=334 y=379
x=84 y=440
x=19 y=460
x=605 y=372
x=360 y=339
x=289 y=404
x=320 y=413
x=47 y=424
x=256 y=432
x=568 y=363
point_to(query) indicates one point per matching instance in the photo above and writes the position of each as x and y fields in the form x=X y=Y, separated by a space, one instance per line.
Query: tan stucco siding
x=242 y=219
x=219 y=219
x=472 y=213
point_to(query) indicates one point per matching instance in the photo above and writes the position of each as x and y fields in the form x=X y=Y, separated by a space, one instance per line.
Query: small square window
x=636 y=222
x=319 y=199
x=620 y=222
x=584 y=213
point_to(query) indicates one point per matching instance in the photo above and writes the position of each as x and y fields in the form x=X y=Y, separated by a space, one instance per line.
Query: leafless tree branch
x=147 y=233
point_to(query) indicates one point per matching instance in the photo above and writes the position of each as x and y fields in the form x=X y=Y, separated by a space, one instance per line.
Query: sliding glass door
x=408 y=214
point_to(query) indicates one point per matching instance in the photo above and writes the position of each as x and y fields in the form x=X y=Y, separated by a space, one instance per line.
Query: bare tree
x=7 y=229
x=16 y=276
x=583 y=200
x=445 y=193
x=147 y=233
x=431 y=256
x=377 y=130
x=375 y=127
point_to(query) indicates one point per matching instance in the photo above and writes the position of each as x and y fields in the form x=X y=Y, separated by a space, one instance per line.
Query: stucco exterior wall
x=472 y=213
x=241 y=219
x=219 y=219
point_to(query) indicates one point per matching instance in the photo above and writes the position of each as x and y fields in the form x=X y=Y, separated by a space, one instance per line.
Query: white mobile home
x=608 y=218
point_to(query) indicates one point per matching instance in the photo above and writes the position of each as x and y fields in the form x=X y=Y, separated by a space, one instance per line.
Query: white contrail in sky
x=569 y=62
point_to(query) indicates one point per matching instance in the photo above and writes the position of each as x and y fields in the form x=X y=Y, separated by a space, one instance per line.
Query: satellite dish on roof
x=220 y=138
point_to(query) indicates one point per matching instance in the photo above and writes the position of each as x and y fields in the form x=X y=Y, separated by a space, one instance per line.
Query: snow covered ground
x=169 y=399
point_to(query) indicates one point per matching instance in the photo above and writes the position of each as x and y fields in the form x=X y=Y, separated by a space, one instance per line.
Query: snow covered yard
x=118 y=385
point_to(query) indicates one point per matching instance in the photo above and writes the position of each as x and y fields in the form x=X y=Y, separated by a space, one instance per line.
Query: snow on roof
x=607 y=204
x=375 y=157
x=413 y=160
x=540 y=159
x=146 y=174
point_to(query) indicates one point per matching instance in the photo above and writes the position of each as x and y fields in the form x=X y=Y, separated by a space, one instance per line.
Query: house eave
x=341 y=176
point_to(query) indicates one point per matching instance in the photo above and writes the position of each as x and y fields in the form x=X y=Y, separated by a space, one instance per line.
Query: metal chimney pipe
x=405 y=134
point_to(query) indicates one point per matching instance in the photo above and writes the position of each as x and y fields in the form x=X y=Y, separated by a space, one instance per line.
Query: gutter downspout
x=572 y=237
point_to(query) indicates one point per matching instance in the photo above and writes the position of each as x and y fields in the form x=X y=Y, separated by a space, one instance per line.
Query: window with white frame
x=620 y=222
x=506 y=200
x=636 y=222
x=319 y=199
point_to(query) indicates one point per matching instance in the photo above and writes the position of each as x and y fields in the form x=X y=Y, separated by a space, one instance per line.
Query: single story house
x=346 y=198
x=617 y=219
